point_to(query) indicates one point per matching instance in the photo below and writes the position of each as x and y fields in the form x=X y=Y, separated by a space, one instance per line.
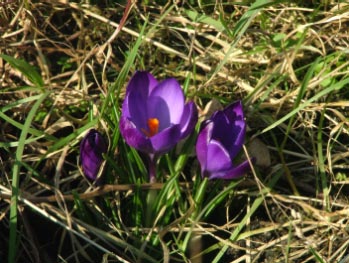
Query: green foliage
x=26 y=69
x=65 y=63
x=13 y=238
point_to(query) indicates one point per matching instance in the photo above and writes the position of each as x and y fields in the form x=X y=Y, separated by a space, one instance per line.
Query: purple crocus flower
x=92 y=147
x=154 y=114
x=219 y=141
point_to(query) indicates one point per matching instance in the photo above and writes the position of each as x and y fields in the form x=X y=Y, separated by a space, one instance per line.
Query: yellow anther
x=153 y=127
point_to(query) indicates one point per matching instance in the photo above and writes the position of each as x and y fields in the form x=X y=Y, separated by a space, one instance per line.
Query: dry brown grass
x=79 y=49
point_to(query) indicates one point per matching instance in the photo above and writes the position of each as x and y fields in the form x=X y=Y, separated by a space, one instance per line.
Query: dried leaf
x=258 y=150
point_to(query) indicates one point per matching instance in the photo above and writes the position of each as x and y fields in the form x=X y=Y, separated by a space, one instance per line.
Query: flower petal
x=189 y=119
x=218 y=158
x=230 y=132
x=133 y=136
x=235 y=114
x=234 y=111
x=222 y=129
x=143 y=82
x=238 y=134
x=170 y=92
x=202 y=143
x=159 y=109
x=166 y=139
x=137 y=92
x=233 y=173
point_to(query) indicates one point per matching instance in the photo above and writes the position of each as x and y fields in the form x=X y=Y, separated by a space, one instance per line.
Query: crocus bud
x=219 y=141
x=92 y=147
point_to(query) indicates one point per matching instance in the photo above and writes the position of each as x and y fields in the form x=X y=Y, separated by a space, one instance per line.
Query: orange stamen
x=153 y=127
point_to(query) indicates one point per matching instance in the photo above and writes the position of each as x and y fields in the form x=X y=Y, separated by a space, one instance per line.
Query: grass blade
x=339 y=85
x=257 y=202
x=15 y=178
x=26 y=69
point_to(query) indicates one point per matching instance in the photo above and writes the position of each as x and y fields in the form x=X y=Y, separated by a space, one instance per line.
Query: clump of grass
x=64 y=69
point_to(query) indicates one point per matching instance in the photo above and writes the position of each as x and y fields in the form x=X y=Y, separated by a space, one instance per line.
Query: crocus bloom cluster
x=92 y=147
x=154 y=114
x=219 y=141
x=155 y=117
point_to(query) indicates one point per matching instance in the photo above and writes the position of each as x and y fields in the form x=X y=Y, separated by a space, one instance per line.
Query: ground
x=64 y=69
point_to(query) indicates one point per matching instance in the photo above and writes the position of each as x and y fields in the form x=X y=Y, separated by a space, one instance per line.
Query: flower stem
x=151 y=196
x=152 y=168
x=199 y=196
